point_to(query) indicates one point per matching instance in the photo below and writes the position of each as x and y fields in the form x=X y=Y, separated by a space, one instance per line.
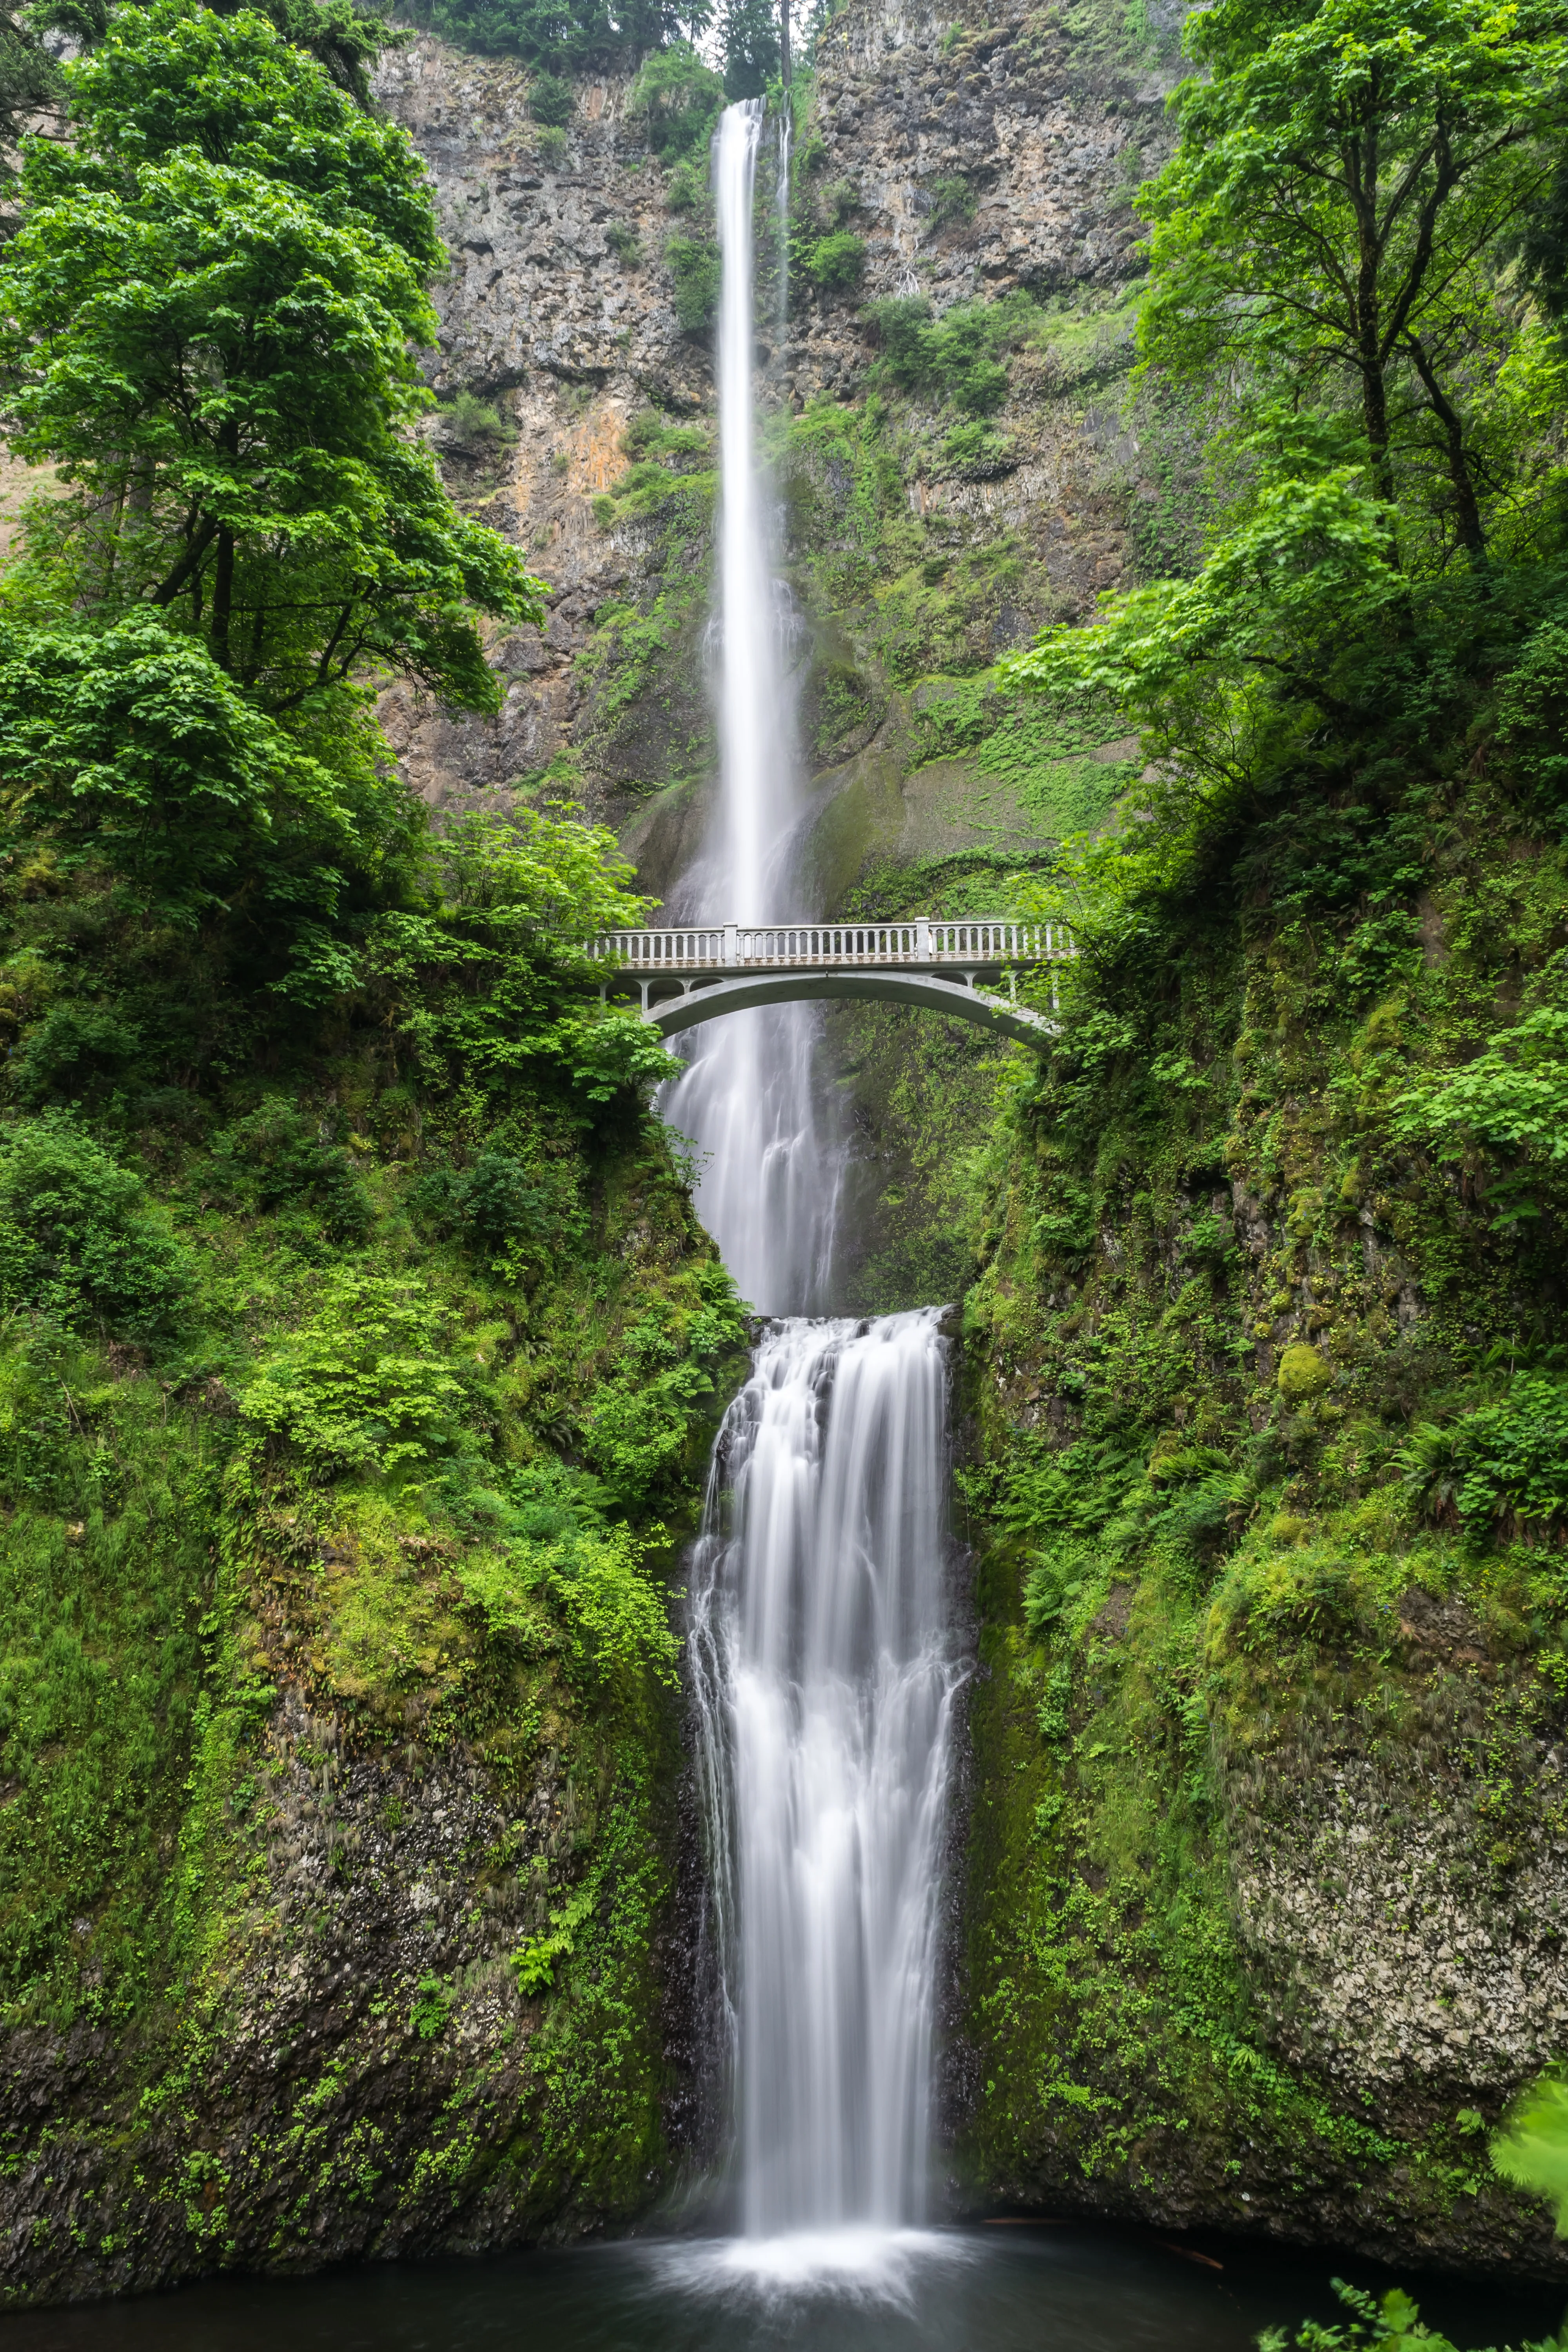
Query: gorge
x=1061 y=1721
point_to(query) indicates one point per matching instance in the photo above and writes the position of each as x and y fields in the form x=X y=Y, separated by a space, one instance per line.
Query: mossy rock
x=1303 y=1374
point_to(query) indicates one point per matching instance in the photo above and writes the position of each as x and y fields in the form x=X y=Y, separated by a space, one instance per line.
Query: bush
x=363 y=1385
x=625 y=244
x=469 y=419
x=836 y=262
x=1509 y=1461
x=551 y=100
x=676 y=99
x=952 y=199
x=957 y=356
x=276 y=1157
x=77 y=1238
x=552 y=144
x=695 y=267
x=977 y=454
x=76 y=1051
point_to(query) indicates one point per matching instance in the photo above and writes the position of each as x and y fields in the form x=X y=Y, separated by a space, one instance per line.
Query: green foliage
x=959 y=356
x=1502 y=1466
x=1386 y=2323
x=1532 y=716
x=837 y=262
x=470 y=419
x=276 y=1155
x=952 y=199
x=617 y=1617
x=563 y=36
x=1511 y=1099
x=364 y=1383
x=134 y=754
x=78 y=1237
x=695 y=267
x=1531 y=2150
x=552 y=100
x=1325 y=226
x=1302 y=1373
x=432 y=2010
x=749 y=42
x=208 y=310
x=977 y=453
x=676 y=99
x=625 y=244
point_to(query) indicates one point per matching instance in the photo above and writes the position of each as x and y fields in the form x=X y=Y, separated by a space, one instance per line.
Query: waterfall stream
x=822 y=1666
x=825 y=1683
x=750 y=1099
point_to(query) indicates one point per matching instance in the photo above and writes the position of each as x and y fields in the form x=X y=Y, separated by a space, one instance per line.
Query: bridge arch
x=671 y=1014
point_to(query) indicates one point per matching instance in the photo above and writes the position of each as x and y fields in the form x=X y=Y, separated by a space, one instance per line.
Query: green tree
x=1330 y=219
x=677 y=99
x=207 y=315
x=565 y=36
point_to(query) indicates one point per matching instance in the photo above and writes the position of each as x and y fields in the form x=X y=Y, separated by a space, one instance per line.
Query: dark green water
x=1033 y=2288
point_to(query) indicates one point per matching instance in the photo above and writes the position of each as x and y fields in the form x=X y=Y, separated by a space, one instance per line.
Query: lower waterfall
x=825 y=1677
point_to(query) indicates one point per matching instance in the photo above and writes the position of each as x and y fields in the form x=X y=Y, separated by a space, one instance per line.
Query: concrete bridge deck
x=693 y=972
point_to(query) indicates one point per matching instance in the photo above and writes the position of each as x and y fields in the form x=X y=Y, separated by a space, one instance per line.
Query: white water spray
x=825 y=1685
x=768 y=1189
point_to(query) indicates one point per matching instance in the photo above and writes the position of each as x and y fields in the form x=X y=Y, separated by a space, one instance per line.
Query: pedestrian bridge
x=967 y=970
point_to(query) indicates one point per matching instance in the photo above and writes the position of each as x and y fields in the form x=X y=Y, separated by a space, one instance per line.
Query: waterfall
x=825 y=1679
x=769 y=1164
x=822 y=1668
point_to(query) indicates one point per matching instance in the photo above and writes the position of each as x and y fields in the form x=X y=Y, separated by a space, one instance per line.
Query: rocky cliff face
x=970 y=162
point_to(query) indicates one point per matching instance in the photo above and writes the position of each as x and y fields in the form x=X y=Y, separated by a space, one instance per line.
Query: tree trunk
x=1466 y=506
x=223 y=595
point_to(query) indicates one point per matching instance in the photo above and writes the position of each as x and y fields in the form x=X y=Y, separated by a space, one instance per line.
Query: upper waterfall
x=754 y=1104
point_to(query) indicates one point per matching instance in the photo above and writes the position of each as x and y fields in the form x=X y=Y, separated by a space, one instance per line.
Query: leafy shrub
x=275 y=1157
x=552 y=144
x=1531 y=2150
x=361 y=1385
x=551 y=100
x=1389 y=2323
x=625 y=244
x=617 y=1617
x=74 y=1050
x=959 y=355
x=684 y=192
x=837 y=262
x=432 y=2010
x=676 y=99
x=1297 y=1594
x=470 y=419
x=1512 y=1097
x=495 y=1205
x=952 y=199
x=695 y=267
x=977 y=454
x=78 y=1237
x=1532 y=715
x=1504 y=1465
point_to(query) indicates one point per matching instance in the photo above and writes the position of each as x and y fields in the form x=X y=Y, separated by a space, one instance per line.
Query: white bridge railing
x=922 y=943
